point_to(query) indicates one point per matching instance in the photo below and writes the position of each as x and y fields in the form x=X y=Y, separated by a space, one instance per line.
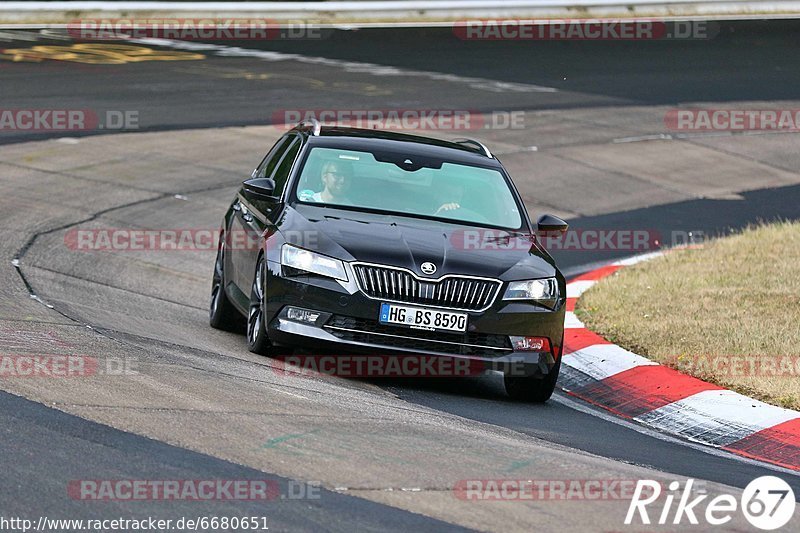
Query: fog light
x=530 y=344
x=301 y=315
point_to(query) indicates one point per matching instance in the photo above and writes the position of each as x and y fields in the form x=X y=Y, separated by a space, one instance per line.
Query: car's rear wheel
x=532 y=389
x=221 y=312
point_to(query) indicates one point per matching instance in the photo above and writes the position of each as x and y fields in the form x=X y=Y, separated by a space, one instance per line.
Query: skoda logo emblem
x=427 y=268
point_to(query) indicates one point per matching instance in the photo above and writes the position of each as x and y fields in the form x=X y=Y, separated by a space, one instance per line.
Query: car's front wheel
x=530 y=388
x=257 y=339
x=221 y=312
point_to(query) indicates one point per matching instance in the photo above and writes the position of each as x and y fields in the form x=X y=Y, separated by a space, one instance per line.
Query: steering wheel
x=464 y=213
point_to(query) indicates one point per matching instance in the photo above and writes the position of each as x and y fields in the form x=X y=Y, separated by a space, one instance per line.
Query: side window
x=281 y=174
x=273 y=157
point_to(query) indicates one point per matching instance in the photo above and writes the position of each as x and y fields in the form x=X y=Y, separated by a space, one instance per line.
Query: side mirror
x=259 y=188
x=551 y=224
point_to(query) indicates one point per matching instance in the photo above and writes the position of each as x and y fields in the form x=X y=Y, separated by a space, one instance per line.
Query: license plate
x=422 y=318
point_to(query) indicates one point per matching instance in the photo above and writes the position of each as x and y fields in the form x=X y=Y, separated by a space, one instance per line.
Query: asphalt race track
x=595 y=149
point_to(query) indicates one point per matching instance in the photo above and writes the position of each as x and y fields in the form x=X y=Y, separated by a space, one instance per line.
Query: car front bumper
x=347 y=323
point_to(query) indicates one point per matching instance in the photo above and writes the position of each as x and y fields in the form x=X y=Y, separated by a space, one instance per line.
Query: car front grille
x=455 y=292
x=371 y=332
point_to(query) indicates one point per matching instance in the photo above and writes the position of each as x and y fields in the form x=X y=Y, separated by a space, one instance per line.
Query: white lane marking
x=717 y=417
x=18 y=36
x=638 y=138
x=601 y=361
x=571 y=321
x=289 y=393
x=349 y=66
x=644 y=430
x=637 y=259
x=576 y=288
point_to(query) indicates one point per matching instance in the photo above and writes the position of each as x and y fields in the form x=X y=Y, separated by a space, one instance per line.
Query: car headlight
x=307 y=261
x=542 y=291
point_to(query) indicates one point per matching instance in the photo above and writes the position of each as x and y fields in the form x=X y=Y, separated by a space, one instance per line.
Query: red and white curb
x=637 y=388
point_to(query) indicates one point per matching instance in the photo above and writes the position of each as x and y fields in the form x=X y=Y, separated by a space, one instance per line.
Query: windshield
x=408 y=185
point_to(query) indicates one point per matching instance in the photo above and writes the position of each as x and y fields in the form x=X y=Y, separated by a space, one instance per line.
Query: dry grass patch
x=728 y=312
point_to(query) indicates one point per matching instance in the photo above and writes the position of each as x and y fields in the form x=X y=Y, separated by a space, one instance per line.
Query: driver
x=335 y=177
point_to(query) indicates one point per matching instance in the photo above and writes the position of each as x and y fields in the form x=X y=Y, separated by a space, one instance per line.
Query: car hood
x=408 y=242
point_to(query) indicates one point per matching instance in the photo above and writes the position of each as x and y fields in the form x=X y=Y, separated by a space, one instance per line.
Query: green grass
x=733 y=301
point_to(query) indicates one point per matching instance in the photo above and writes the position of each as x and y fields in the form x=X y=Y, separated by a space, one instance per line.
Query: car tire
x=532 y=389
x=257 y=339
x=221 y=312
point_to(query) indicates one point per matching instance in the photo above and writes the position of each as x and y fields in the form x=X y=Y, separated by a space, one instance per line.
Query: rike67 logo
x=767 y=502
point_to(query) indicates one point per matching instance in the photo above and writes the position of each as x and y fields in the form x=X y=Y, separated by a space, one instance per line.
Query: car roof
x=364 y=139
